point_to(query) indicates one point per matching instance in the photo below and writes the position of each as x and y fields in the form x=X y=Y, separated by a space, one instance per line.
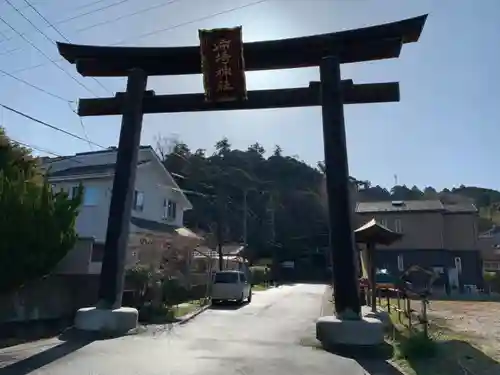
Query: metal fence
x=411 y=310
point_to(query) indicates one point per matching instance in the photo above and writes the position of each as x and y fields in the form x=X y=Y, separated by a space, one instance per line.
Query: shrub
x=416 y=346
x=259 y=275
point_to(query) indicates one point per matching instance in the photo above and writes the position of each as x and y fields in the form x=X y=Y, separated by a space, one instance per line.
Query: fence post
x=388 y=302
x=379 y=293
x=408 y=313
x=424 y=317
x=398 y=296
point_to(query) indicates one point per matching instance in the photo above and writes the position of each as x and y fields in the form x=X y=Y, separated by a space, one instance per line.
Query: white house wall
x=156 y=185
x=92 y=220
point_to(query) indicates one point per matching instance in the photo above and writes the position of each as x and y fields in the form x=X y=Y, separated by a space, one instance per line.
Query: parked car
x=231 y=286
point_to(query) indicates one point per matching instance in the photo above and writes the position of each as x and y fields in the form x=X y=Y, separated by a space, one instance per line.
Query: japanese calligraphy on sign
x=223 y=65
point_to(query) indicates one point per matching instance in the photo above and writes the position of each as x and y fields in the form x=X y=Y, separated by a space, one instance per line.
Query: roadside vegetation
x=37 y=225
x=443 y=352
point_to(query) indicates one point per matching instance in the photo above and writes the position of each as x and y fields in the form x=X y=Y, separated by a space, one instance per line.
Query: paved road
x=264 y=337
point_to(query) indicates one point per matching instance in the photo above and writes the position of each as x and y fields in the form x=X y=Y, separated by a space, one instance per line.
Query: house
x=489 y=245
x=157 y=209
x=436 y=235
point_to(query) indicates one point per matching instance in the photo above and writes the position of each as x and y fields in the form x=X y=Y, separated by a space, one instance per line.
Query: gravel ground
x=479 y=322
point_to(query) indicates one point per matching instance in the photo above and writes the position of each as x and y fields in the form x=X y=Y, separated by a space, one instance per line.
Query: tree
x=257 y=148
x=299 y=220
x=321 y=166
x=430 y=193
x=415 y=193
x=400 y=192
x=222 y=147
x=37 y=226
x=278 y=151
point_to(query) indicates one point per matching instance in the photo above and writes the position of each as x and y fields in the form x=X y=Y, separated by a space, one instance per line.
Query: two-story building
x=436 y=235
x=489 y=244
x=157 y=209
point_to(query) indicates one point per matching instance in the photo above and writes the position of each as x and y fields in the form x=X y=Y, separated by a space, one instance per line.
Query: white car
x=231 y=286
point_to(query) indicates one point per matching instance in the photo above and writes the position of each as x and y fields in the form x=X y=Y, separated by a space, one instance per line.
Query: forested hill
x=284 y=208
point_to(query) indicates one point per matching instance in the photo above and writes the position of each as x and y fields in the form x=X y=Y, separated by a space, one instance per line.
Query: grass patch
x=187 y=308
x=260 y=287
x=167 y=314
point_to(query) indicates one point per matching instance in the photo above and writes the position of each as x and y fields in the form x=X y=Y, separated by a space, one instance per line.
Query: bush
x=259 y=275
x=175 y=293
x=37 y=225
x=416 y=346
x=150 y=314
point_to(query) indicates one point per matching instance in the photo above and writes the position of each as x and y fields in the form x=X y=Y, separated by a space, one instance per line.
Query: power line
x=41 y=52
x=88 y=4
x=34 y=86
x=75 y=17
x=191 y=22
x=76 y=136
x=35 y=148
x=106 y=22
x=82 y=125
x=45 y=35
x=50 y=40
x=47 y=151
x=123 y=16
x=119 y=2
x=160 y=31
x=45 y=19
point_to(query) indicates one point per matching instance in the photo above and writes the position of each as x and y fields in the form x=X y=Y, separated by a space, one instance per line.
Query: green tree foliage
x=36 y=225
x=282 y=196
x=283 y=199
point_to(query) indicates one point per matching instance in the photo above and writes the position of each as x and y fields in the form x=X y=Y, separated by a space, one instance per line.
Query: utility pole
x=219 y=229
x=271 y=211
x=245 y=215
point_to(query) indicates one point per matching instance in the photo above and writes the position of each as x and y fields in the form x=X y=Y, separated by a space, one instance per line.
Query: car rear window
x=226 y=278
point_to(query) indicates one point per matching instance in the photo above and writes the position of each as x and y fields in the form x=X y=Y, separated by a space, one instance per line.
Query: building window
x=383 y=222
x=401 y=266
x=91 y=196
x=169 y=209
x=458 y=264
x=138 y=200
x=398 y=226
x=491 y=266
x=97 y=252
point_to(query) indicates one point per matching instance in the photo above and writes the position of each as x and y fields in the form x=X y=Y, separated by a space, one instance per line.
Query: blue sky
x=444 y=132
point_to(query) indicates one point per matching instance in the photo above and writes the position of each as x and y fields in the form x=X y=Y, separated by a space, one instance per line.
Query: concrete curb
x=188 y=317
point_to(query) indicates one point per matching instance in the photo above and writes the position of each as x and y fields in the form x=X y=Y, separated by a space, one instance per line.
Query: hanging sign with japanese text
x=223 y=65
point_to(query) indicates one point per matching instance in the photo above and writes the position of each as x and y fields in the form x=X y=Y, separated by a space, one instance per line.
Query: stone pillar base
x=332 y=331
x=117 y=321
x=380 y=314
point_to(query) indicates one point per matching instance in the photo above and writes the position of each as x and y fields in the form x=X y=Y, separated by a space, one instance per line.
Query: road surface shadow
x=456 y=357
x=70 y=343
x=227 y=306
x=377 y=367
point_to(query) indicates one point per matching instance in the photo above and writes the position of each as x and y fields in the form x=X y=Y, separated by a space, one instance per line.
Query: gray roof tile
x=153 y=225
x=460 y=207
x=87 y=169
x=399 y=206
